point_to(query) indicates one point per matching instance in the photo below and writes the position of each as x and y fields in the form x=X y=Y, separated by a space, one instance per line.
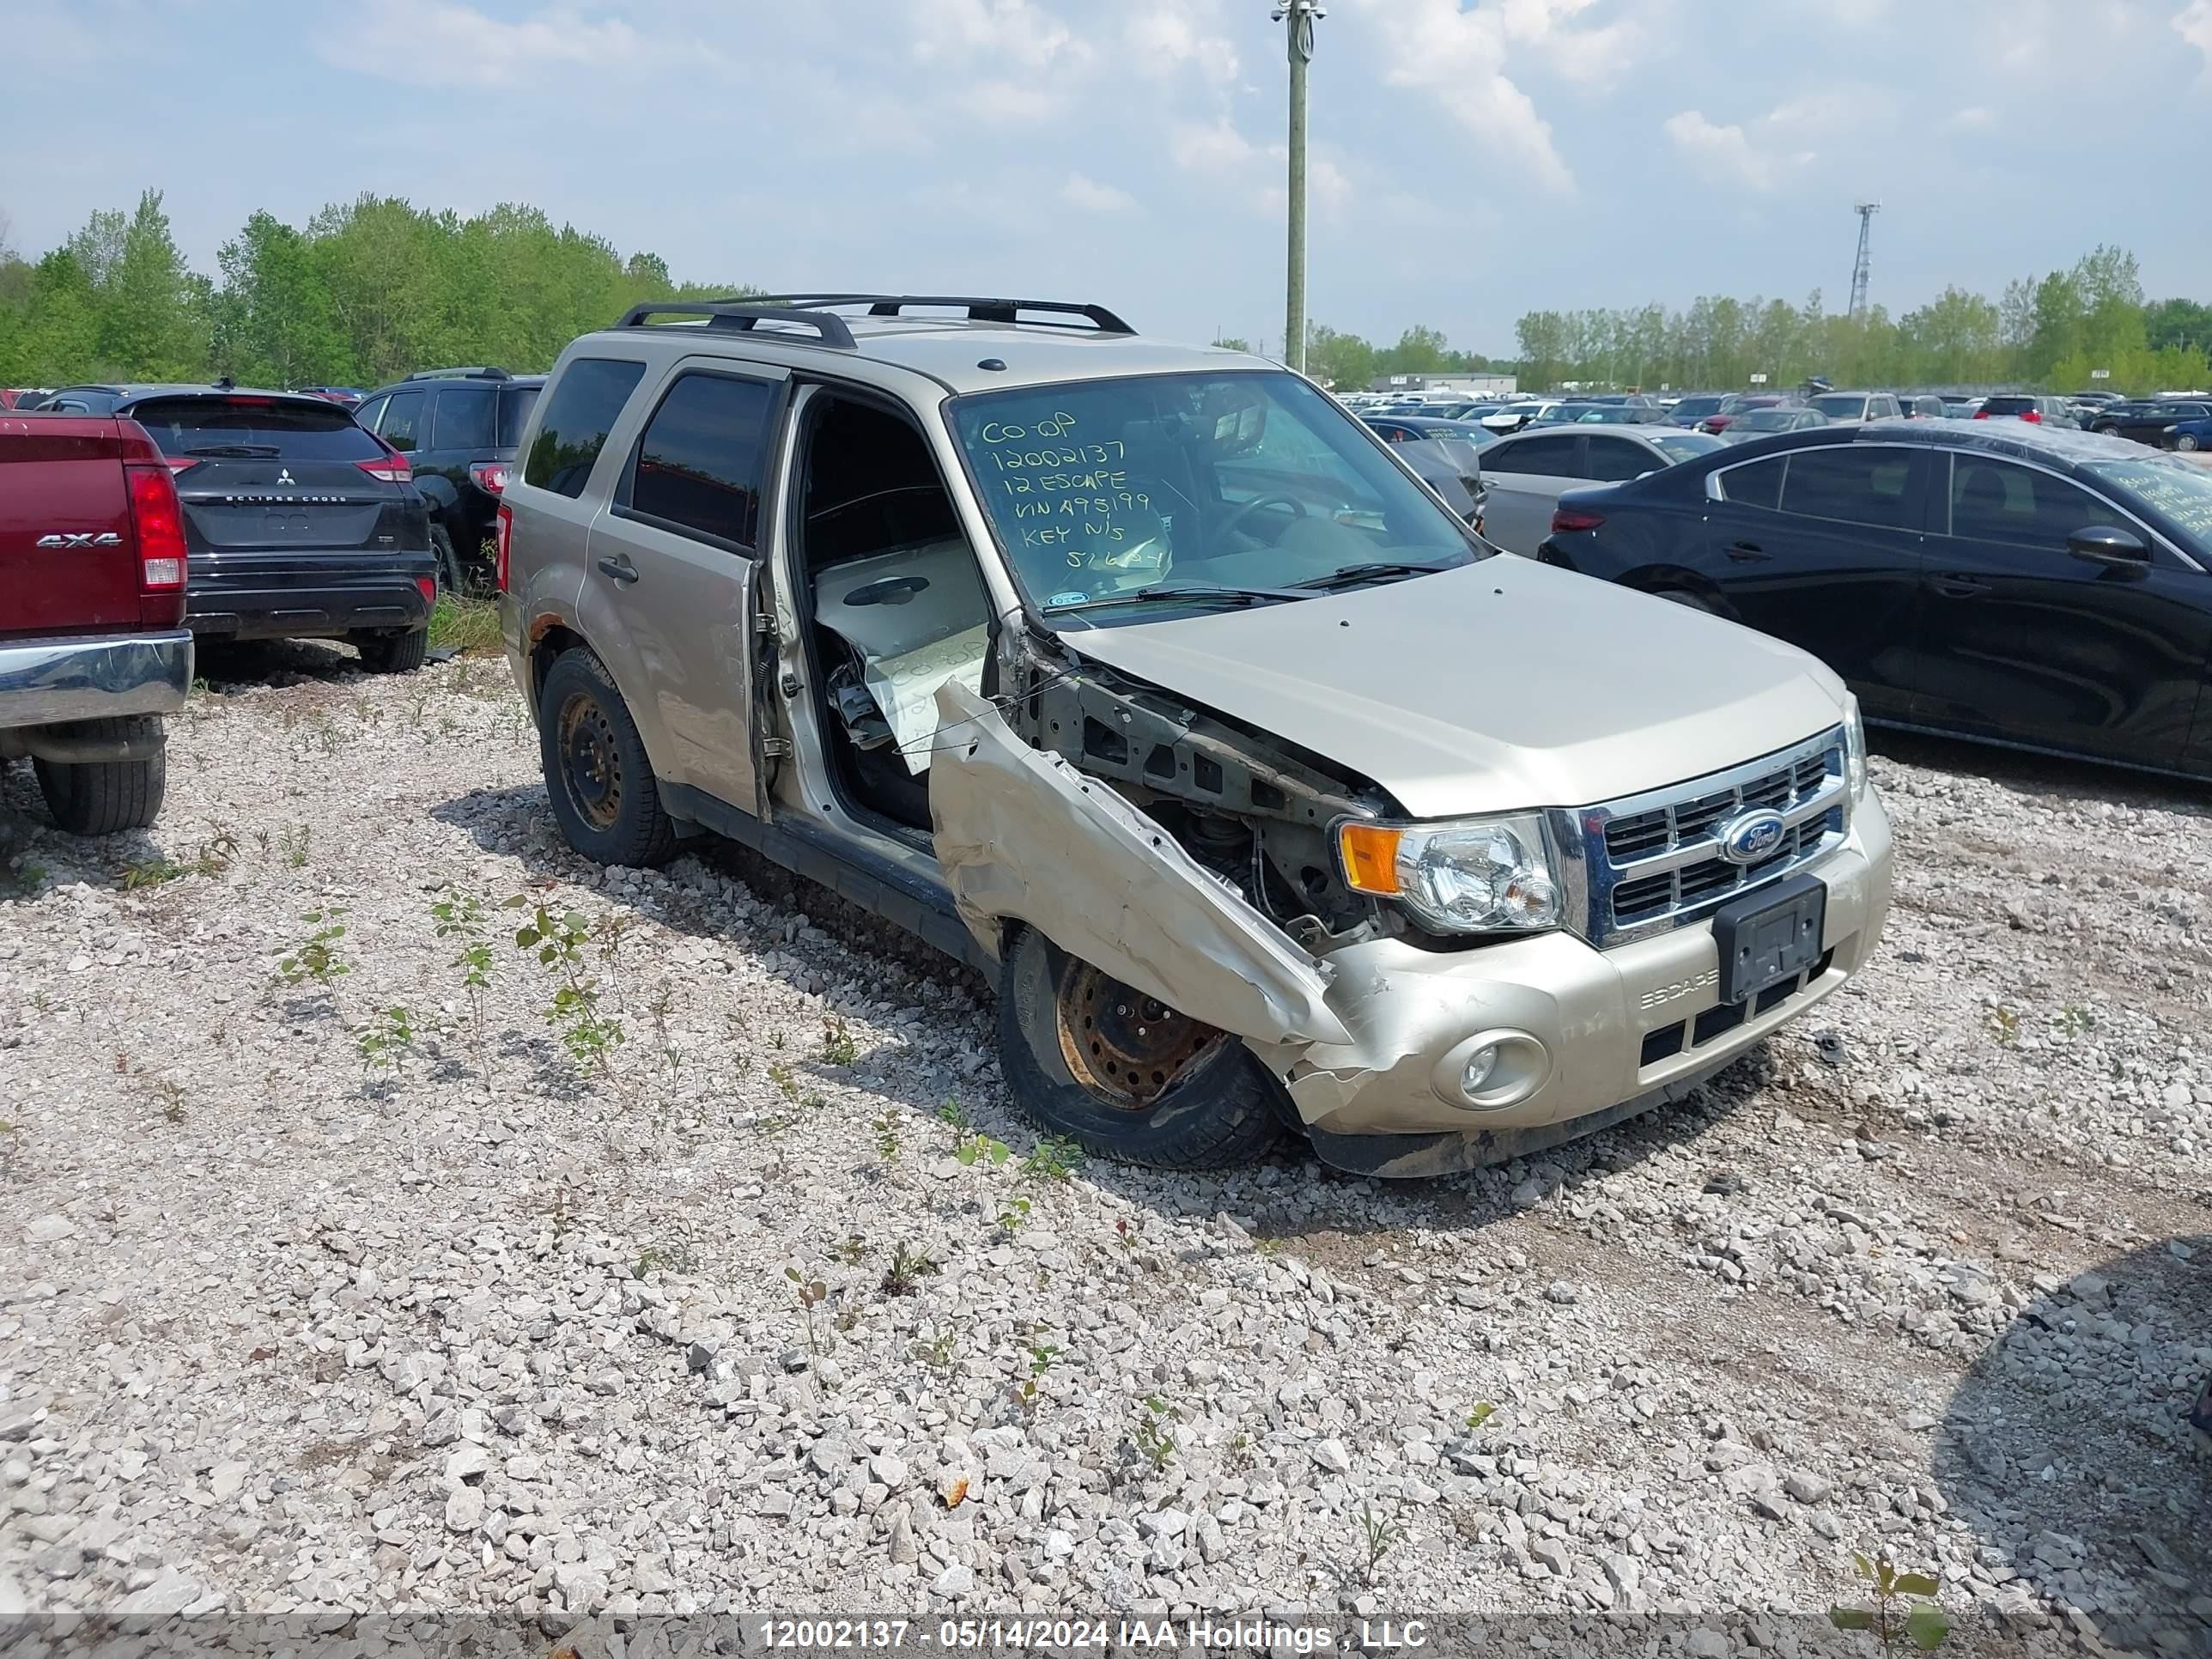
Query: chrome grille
x=1654 y=860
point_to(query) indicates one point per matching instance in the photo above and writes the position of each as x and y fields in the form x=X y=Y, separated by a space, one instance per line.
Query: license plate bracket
x=1770 y=936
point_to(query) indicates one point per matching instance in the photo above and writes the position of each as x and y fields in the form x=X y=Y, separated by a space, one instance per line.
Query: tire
x=1223 y=1110
x=1686 y=599
x=596 y=773
x=2109 y=431
x=393 y=654
x=100 y=797
x=2185 y=440
x=449 y=563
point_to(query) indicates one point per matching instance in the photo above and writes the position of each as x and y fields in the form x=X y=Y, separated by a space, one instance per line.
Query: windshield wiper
x=1375 y=570
x=250 y=452
x=1179 y=593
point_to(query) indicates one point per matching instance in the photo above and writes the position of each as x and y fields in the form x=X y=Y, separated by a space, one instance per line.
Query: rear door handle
x=620 y=568
x=1745 y=552
x=1958 y=587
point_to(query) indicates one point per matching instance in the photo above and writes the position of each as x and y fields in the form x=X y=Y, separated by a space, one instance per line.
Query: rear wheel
x=2185 y=440
x=100 y=797
x=450 y=575
x=596 y=774
x=2109 y=431
x=393 y=654
x=1124 y=1075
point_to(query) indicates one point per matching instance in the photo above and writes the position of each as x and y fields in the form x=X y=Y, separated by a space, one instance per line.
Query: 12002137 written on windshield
x=1093 y=500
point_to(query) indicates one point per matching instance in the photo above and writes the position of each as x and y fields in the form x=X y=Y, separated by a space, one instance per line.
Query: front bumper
x=1378 y=1105
x=49 y=682
x=328 y=600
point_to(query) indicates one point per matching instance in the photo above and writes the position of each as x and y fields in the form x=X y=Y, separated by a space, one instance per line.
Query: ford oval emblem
x=1752 y=836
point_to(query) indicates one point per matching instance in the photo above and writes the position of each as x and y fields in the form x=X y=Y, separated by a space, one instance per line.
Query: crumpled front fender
x=1021 y=836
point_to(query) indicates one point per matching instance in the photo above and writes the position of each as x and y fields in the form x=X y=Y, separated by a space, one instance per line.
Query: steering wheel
x=1237 y=518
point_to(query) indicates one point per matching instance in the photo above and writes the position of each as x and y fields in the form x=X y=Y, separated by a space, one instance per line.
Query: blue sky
x=1473 y=159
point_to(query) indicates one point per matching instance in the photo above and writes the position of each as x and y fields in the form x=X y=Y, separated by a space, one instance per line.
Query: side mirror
x=2105 y=545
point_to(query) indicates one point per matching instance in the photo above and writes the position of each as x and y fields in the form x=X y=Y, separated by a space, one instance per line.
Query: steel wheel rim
x=590 y=762
x=1124 y=1047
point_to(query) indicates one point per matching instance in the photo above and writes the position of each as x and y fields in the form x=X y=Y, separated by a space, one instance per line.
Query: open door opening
x=895 y=605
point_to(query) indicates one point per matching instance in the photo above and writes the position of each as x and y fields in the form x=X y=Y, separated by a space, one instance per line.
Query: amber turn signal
x=1370 y=857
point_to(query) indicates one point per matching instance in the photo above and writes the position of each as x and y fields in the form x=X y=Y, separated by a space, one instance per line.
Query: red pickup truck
x=93 y=646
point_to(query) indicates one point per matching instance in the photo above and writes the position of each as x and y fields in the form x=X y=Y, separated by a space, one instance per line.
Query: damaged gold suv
x=1146 y=678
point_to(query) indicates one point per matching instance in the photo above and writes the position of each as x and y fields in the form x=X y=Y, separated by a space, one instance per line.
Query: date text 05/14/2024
x=1253 y=1634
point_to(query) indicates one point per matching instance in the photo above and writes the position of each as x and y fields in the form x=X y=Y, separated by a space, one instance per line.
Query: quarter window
x=1857 y=483
x=1615 y=461
x=1996 y=502
x=370 y=412
x=582 y=409
x=465 y=417
x=699 y=461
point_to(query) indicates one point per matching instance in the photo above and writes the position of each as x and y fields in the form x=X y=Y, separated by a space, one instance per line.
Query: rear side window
x=404 y=417
x=699 y=459
x=585 y=404
x=515 y=402
x=1549 y=457
x=1858 y=484
x=216 y=428
x=1759 y=484
x=466 y=417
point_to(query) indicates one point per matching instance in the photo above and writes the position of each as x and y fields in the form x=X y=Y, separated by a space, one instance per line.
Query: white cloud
x=1973 y=119
x=1016 y=31
x=1086 y=192
x=1209 y=147
x=1169 y=35
x=2193 y=23
x=1725 y=150
x=1458 y=58
x=1006 y=101
x=443 y=43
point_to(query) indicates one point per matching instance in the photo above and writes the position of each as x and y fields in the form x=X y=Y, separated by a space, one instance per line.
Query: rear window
x=1845 y=407
x=465 y=418
x=515 y=402
x=2008 y=406
x=585 y=402
x=302 y=431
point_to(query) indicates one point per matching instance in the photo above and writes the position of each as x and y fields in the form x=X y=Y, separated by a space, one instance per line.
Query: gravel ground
x=728 y=1314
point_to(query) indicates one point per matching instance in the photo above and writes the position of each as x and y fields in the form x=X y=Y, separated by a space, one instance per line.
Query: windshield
x=1842 y=406
x=1101 y=488
x=1767 y=420
x=2178 y=490
x=1698 y=406
x=1610 y=414
x=1686 y=445
x=291 y=430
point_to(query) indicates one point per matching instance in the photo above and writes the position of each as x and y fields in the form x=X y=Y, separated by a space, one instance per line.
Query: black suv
x=457 y=427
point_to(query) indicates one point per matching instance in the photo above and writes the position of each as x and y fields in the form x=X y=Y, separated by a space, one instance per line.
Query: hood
x=1497 y=687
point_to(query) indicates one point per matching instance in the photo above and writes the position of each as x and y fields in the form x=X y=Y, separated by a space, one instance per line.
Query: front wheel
x=1122 y=1074
x=2185 y=440
x=1683 y=597
x=2108 y=431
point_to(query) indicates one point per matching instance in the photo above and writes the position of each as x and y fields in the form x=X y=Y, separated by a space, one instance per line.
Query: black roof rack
x=742 y=314
x=979 y=309
x=477 y=371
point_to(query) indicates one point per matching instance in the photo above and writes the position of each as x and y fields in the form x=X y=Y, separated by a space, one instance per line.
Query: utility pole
x=1861 y=267
x=1303 y=15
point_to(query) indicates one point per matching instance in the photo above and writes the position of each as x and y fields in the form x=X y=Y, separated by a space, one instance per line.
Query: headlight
x=1855 y=764
x=1472 y=875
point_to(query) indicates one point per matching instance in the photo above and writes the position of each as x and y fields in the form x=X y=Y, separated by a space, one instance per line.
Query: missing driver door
x=678 y=553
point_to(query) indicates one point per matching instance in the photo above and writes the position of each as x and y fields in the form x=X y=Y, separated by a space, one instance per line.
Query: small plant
x=978 y=1148
x=1125 y=1235
x=1378 y=1537
x=1481 y=1413
x=887 y=1141
x=2073 y=1020
x=215 y=855
x=1011 y=1214
x=910 y=1267
x=1150 y=1436
x=838 y=1048
x=470 y=626
x=316 y=957
x=812 y=1292
x=675 y=1259
x=936 y=1350
x=1026 y=1392
x=171 y=1099
x=25 y=878
x=389 y=1039
x=853 y=1252
x=2005 y=1025
x=658 y=1011
x=1904 y=1611
x=590 y=1037
x=954 y=1116
x=293 y=844
x=150 y=873
x=1053 y=1158
x=781 y=1075
x=460 y=916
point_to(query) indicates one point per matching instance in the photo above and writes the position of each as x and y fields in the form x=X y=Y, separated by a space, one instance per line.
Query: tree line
x=2049 y=332
x=368 y=291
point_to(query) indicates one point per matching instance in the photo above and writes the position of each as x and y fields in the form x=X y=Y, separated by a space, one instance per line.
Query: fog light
x=1480 y=1065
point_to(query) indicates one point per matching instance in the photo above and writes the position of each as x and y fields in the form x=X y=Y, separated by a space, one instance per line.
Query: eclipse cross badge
x=1751 y=836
